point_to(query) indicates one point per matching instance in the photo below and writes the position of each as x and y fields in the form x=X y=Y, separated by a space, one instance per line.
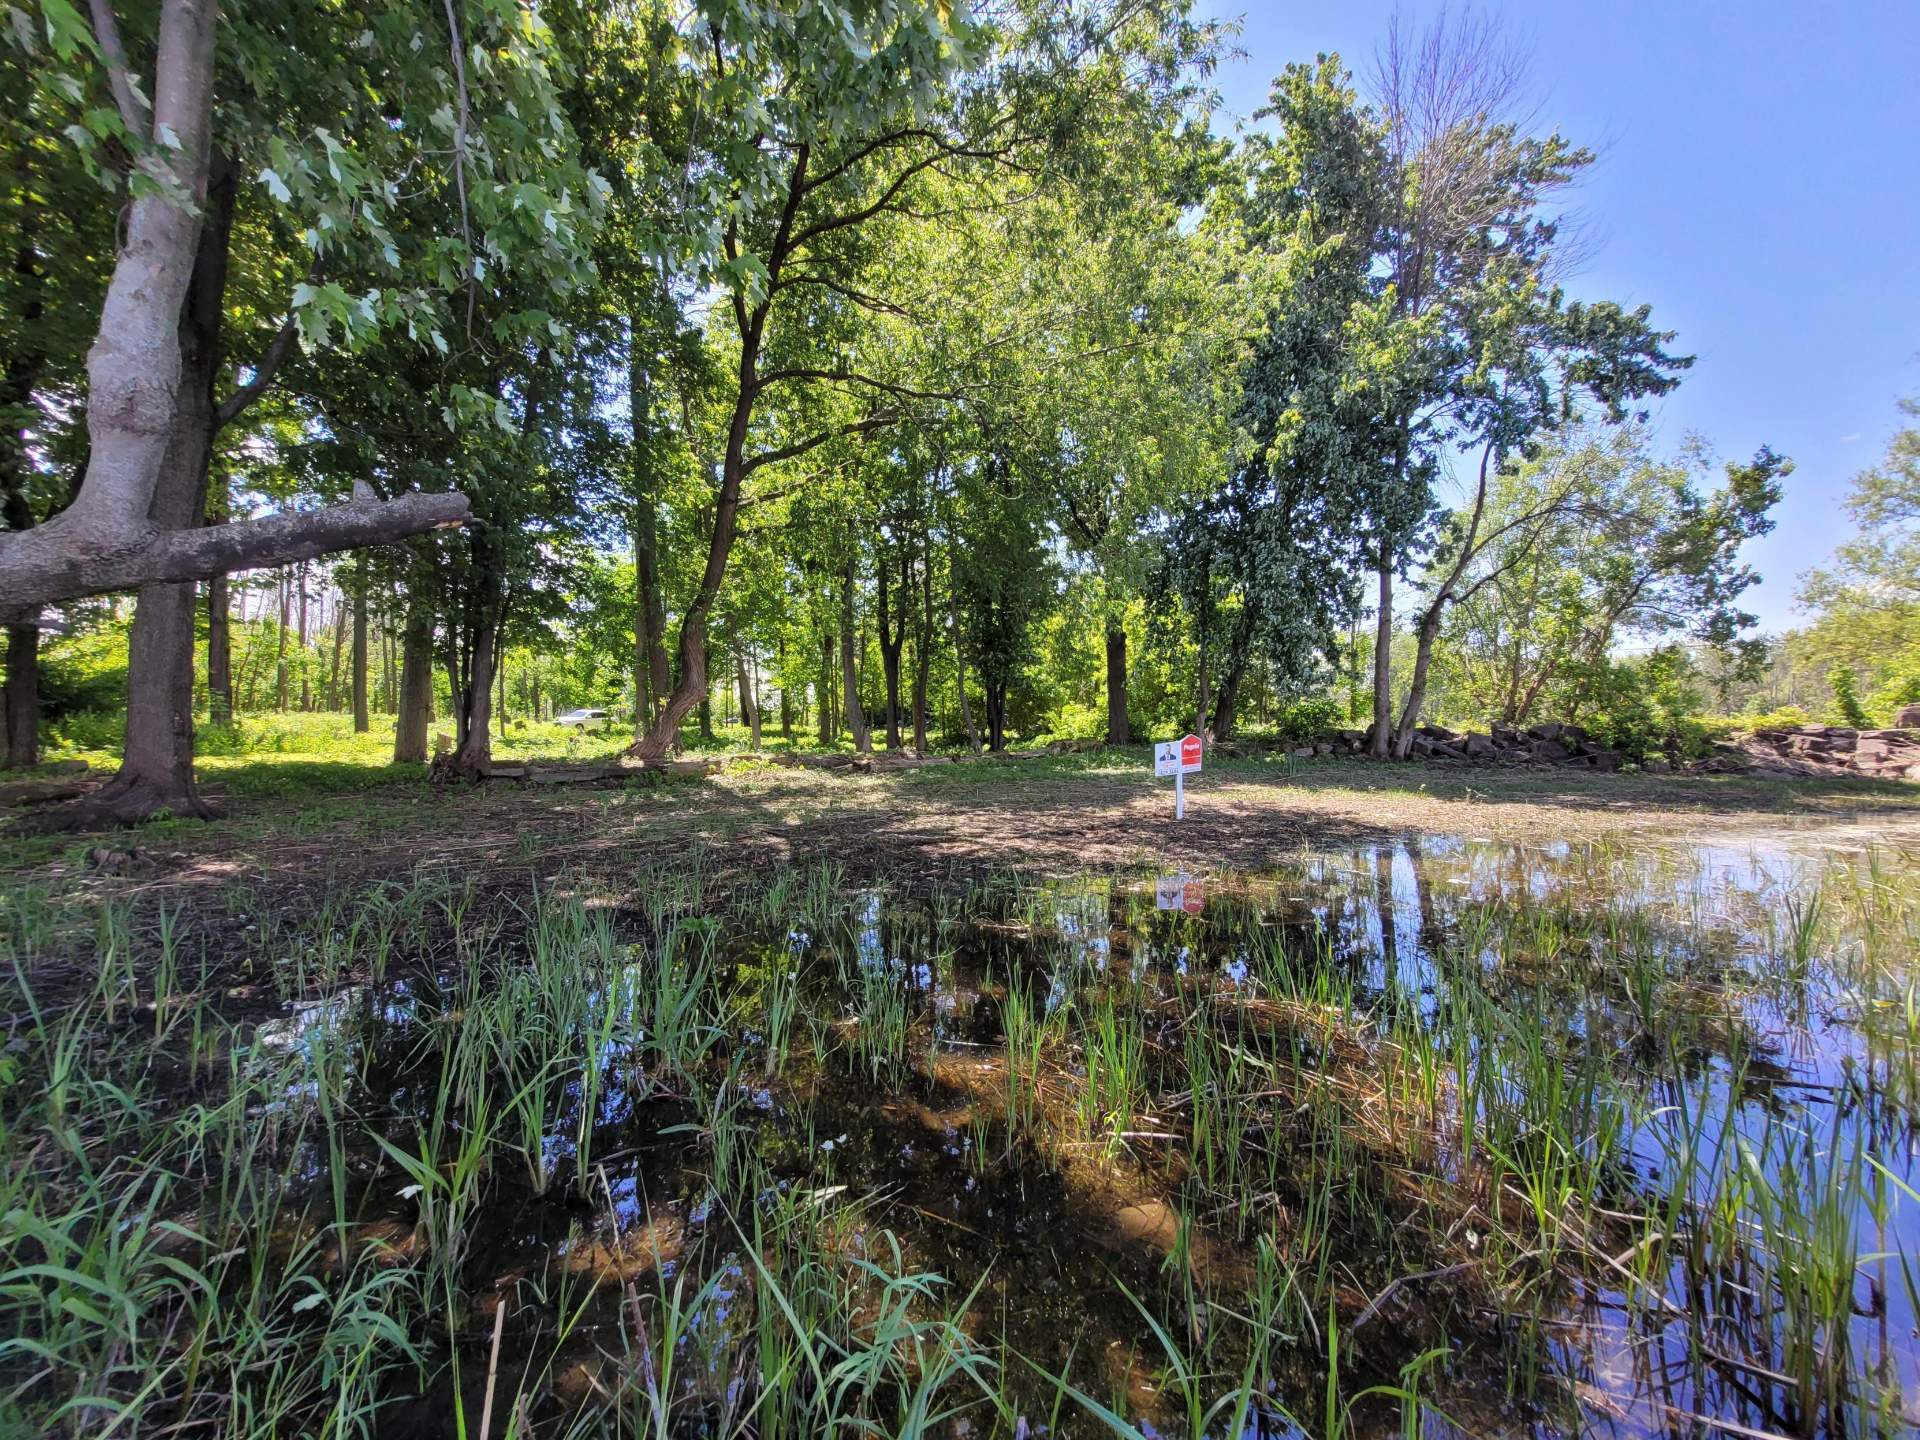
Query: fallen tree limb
x=52 y=562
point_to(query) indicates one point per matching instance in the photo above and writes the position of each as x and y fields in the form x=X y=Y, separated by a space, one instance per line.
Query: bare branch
x=787 y=452
x=230 y=409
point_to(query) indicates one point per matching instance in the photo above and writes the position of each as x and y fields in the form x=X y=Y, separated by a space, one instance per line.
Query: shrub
x=1648 y=706
x=1847 y=709
x=1301 y=722
x=1078 y=722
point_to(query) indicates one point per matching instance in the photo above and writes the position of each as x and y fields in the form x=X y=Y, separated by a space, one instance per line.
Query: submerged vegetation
x=1458 y=1136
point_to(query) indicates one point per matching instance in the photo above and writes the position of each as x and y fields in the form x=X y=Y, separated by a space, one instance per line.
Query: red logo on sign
x=1190 y=750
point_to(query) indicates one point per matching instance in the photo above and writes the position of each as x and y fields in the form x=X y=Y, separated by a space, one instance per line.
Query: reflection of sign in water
x=1177 y=892
x=1177 y=758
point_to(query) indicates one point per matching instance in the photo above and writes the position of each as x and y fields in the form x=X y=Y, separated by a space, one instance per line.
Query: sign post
x=1177 y=758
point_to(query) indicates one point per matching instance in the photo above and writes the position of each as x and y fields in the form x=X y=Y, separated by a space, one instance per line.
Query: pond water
x=1496 y=1139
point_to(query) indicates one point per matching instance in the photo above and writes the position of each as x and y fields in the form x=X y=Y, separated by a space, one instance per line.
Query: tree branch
x=230 y=409
x=787 y=452
x=106 y=30
x=33 y=575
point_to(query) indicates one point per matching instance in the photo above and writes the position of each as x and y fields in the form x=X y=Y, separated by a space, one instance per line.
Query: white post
x=1179 y=794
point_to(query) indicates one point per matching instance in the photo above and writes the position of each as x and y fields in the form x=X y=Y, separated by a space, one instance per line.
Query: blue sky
x=1758 y=184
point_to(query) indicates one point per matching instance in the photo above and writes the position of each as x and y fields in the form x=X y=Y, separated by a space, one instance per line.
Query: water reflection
x=1481 y=1065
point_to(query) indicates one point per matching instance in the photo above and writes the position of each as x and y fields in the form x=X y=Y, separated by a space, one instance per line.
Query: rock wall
x=1834 y=750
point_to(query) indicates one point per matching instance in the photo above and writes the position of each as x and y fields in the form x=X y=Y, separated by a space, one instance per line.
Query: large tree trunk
x=1116 y=684
x=415 y=703
x=22 y=695
x=476 y=746
x=996 y=697
x=1417 y=690
x=156 y=767
x=1380 y=744
x=849 y=670
x=112 y=536
x=18 y=381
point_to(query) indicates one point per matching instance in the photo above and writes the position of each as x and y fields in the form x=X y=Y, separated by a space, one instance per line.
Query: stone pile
x=1829 y=750
x=1551 y=743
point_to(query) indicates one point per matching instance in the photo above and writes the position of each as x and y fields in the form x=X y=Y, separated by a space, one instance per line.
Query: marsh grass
x=636 y=1135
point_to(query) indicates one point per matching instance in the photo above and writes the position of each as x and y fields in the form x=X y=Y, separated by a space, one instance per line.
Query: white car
x=583 y=719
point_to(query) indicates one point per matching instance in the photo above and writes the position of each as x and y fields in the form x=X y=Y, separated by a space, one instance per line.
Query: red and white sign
x=1177 y=757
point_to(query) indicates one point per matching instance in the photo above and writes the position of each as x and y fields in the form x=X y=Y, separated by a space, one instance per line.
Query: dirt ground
x=1103 y=811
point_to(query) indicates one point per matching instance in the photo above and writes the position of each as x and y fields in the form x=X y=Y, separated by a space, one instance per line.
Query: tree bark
x=306 y=683
x=1381 y=742
x=652 y=671
x=923 y=651
x=476 y=746
x=280 y=651
x=1117 y=733
x=22 y=695
x=786 y=695
x=219 y=651
x=156 y=767
x=893 y=639
x=415 y=702
x=362 y=721
x=960 y=667
x=849 y=672
x=331 y=701
x=829 y=720
x=749 y=703
x=113 y=537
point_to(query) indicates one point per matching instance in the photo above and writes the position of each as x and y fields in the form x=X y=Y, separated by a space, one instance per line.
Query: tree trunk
x=996 y=697
x=20 y=704
x=923 y=652
x=306 y=683
x=219 y=640
x=849 y=672
x=1116 y=684
x=1381 y=742
x=704 y=709
x=786 y=695
x=23 y=695
x=332 y=702
x=476 y=745
x=1417 y=690
x=500 y=685
x=280 y=653
x=362 y=721
x=829 y=721
x=960 y=670
x=1200 y=690
x=156 y=767
x=892 y=639
x=415 y=702
x=652 y=671
x=749 y=703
